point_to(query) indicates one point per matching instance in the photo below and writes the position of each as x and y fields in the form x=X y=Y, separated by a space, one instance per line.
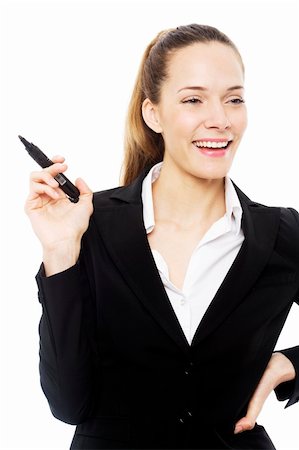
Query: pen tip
x=23 y=140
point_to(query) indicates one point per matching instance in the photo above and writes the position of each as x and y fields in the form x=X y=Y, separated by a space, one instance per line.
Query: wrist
x=282 y=368
x=61 y=256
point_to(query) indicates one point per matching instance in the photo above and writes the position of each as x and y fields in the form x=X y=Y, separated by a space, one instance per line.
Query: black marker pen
x=68 y=188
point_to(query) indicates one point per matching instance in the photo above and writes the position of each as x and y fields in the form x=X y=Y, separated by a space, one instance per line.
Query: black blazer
x=113 y=357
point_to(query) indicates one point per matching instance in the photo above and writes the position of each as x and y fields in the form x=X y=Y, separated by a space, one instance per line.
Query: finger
x=58 y=159
x=52 y=170
x=38 y=189
x=244 y=424
x=43 y=177
x=82 y=186
x=56 y=168
x=255 y=405
x=247 y=422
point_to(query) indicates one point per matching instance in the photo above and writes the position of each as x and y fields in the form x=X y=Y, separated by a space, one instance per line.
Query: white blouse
x=210 y=260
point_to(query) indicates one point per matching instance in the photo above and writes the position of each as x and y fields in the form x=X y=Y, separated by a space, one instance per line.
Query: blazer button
x=187 y=415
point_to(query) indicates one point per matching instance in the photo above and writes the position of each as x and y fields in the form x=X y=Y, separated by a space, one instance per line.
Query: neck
x=187 y=200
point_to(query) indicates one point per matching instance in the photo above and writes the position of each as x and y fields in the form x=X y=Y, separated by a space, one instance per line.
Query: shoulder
x=291 y=214
x=287 y=240
x=289 y=223
x=104 y=199
x=289 y=217
x=289 y=220
x=102 y=204
x=288 y=233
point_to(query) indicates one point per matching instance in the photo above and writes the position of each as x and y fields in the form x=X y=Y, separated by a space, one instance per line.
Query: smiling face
x=201 y=106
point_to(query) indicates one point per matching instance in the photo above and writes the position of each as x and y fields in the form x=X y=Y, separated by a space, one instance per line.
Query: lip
x=214 y=152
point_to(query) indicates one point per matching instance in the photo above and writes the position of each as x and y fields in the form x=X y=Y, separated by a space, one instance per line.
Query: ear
x=151 y=116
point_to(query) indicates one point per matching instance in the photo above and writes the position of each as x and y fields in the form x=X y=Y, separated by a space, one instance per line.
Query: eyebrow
x=201 y=88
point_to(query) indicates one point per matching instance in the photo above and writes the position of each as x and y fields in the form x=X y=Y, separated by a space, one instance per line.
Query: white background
x=67 y=70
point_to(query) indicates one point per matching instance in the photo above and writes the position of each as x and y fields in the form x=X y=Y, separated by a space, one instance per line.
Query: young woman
x=163 y=298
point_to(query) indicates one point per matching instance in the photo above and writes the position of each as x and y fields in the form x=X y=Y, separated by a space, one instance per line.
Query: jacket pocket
x=107 y=427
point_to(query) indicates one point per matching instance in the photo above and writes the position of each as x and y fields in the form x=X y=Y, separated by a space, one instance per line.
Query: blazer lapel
x=122 y=228
x=125 y=238
x=260 y=226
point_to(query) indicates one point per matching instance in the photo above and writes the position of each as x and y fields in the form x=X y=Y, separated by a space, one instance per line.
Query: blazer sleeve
x=290 y=389
x=67 y=357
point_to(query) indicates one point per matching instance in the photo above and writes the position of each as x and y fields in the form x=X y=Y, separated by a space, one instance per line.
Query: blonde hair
x=142 y=146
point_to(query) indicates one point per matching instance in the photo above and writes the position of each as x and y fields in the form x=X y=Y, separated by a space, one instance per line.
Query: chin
x=211 y=173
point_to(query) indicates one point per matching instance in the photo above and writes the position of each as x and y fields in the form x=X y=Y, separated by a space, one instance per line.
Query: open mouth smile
x=213 y=148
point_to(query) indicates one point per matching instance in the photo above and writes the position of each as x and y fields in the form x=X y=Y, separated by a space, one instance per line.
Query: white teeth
x=211 y=144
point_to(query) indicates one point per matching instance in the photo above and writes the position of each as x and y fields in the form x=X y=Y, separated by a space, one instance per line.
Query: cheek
x=183 y=124
x=240 y=122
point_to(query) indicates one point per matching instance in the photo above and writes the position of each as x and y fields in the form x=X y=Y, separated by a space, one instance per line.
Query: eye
x=237 y=101
x=192 y=100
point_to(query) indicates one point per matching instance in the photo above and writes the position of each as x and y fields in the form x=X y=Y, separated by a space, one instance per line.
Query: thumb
x=246 y=423
x=82 y=186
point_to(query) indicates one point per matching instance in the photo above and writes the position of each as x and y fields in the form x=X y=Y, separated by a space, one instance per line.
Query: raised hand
x=58 y=223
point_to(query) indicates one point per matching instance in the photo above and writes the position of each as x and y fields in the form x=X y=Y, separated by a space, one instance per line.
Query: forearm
x=66 y=362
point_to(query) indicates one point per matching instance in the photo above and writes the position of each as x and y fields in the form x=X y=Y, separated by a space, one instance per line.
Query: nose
x=217 y=117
